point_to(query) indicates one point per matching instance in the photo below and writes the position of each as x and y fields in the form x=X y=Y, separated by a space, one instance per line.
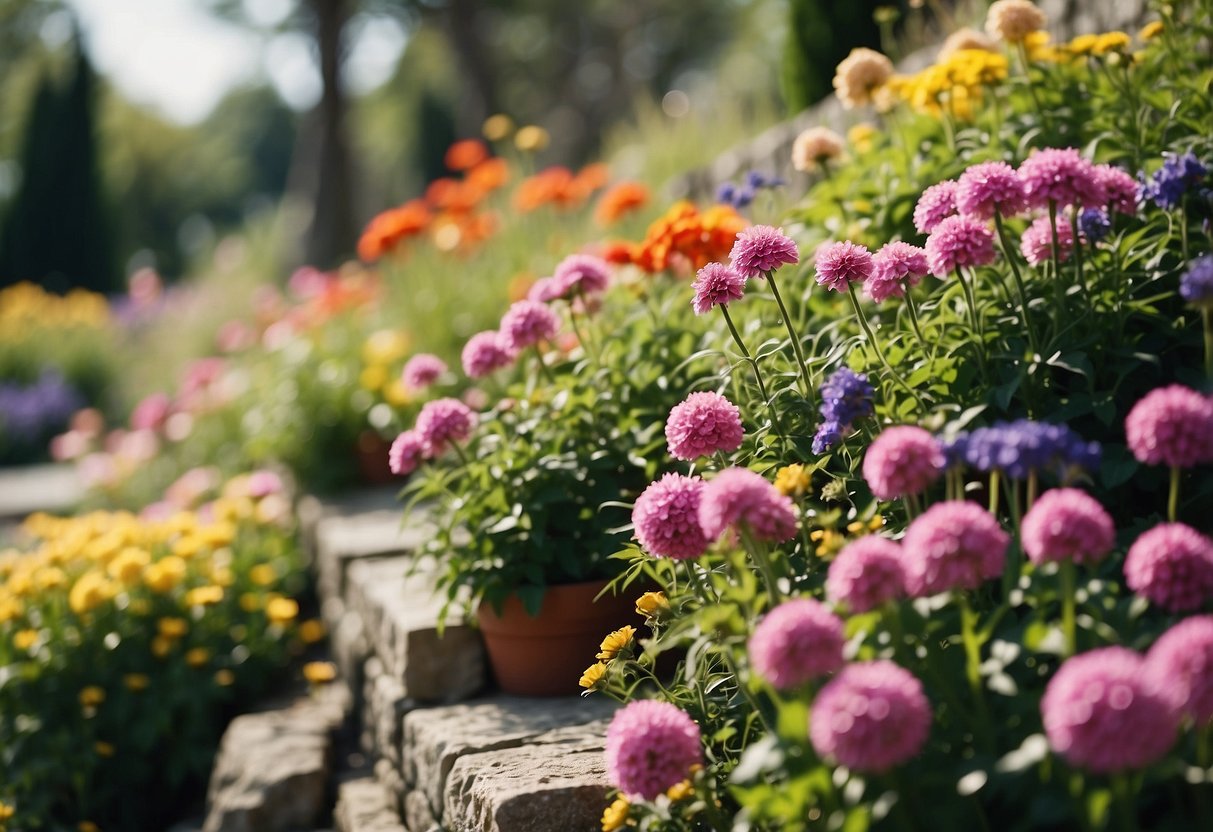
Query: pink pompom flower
x=871 y=717
x=1171 y=565
x=953 y=545
x=580 y=274
x=1120 y=189
x=936 y=204
x=1181 y=662
x=485 y=353
x=1036 y=244
x=839 y=264
x=760 y=249
x=716 y=285
x=406 y=453
x=990 y=188
x=527 y=322
x=544 y=290
x=1061 y=177
x=959 y=241
x=1067 y=524
x=894 y=267
x=1102 y=713
x=422 y=370
x=739 y=497
x=651 y=746
x=903 y=460
x=1171 y=425
x=703 y=424
x=151 y=412
x=442 y=422
x=867 y=572
x=666 y=517
x=795 y=642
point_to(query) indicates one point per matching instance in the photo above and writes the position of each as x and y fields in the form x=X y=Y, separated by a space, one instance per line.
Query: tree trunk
x=463 y=22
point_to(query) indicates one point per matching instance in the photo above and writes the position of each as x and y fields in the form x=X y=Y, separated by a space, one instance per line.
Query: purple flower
x=988 y=189
x=1067 y=524
x=406 y=453
x=871 y=717
x=486 y=352
x=441 y=422
x=953 y=545
x=544 y=290
x=1103 y=714
x=1061 y=177
x=1036 y=244
x=903 y=460
x=581 y=274
x=1196 y=284
x=867 y=572
x=528 y=322
x=760 y=249
x=1181 y=663
x=666 y=517
x=959 y=241
x=422 y=370
x=841 y=263
x=1121 y=189
x=1172 y=426
x=739 y=497
x=895 y=266
x=1093 y=225
x=650 y=746
x=1178 y=174
x=846 y=396
x=703 y=424
x=29 y=413
x=1171 y=565
x=827 y=436
x=716 y=285
x=795 y=642
x=1019 y=447
x=936 y=204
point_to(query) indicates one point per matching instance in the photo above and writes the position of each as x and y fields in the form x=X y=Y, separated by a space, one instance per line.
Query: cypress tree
x=820 y=34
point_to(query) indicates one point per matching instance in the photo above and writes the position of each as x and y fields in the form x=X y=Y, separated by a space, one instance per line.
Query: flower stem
x=972 y=303
x=796 y=347
x=1206 y=315
x=463 y=457
x=543 y=367
x=867 y=329
x=1019 y=284
x=759 y=553
x=1126 y=812
x=1068 y=627
x=1058 y=290
x=972 y=647
x=762 y=389
x=912 y=308
x=1173 y=497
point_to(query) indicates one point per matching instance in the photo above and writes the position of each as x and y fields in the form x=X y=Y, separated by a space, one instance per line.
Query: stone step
x=54 y=488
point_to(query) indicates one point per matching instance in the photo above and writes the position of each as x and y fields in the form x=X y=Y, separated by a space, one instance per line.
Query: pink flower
x=263 y=483
x=1172 y=566
x=895 y=266
x=841 y=263
x=650 y=746
x=1173 y=426
x=795 y=642
x=581 y=274
x=936 y=204
x=953 y=545
x=959 y=241
x=666 y=517
x=486 y=352
x=406 y=453
x=1120 y=189
x=528 y=322
x=150 y=413
x=544 y=290
x=1062 y=177
x=903 y=460
x=1036 y=244
x=1102 y=714
x=703 y=424
x=422 y=370
x=871 y=717
x=738 y=496
x=441 y=422
x=715 y=285
x=1181 y=663
x=988 y=189
x=867 y=572
x=1067 y=524
x=760 y=249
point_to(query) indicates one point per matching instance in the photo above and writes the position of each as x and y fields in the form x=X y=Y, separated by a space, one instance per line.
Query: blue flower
x=828 y=435
x=1170 y=183
x=846 y=397
x=1196 y=284
x=1020 y=447
x=1094 y=225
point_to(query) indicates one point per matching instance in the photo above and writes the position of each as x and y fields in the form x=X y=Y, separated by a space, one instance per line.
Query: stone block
x=419 y=816
x=389 y=777
x=384 y=707
x=343 y=538
x=363 y=805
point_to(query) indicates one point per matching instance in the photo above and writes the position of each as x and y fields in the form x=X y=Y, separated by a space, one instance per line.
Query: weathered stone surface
x=348 y=643
x=350 y=533
x=435 y=738
x=384 y=706
x=399 y=613
x=418 y=814
x=389 y=777
x=363 y=805
x=272 y=770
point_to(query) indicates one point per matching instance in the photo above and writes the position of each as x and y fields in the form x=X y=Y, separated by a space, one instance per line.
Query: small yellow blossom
x=311 y=631
x=793 y=481
x=91 y=590
x=6 y=811
x=52 y=577
x=396 y=394
x=161 y=646
x=680 y=791
x=128 y=565
x=1151 y=30
x=187 y=546
x=263 y=574
x=172 y=627
x=136 y=681
x=828 y=541
x=860 y=136
x=616 y=815
x=224 y=677
x=373 y=377
x=163 y=575
x=616 y=641
x=217 y=535
x=204 y=596
x=385 y=346
x=593 y=676
x=497 y=127
x=531 y=139
x=318 y=673
x=25 y=639
x=197 y=656
x=103 y=749
x=281 y=610
x=653 y=605
x=250 y=602
x=92 y=696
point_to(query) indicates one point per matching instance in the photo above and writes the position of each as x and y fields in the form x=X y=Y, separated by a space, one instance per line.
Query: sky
x=177 y=58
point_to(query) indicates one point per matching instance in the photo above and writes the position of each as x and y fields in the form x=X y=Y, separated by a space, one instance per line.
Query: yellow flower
x=127 y=567
x=653 y=605
x=92 y=696
x=593 y=676
x=187 y=546
x=197 y=656
x=250 y=602
x=1151 y=30
x=6 y=811
x=103 y=749
x=203 y=596
x=281 y=610
x=224 y=677
x=616 y=641
x=1111 y=42
x=396 y=394
x=87 y=826
x=319 y=673
x=311 y=631
x=1083 y=44
x=531 y=138
x=136 y=681
x=828 y=541
x=859 y=527
x=263 y=574
x=217 y=534
x=497 y=127
x=161 y=646
x=10 y=608
x=223 y=576
x=25 y=639
x=680 y=791
x=52 y=577
x=172 y=627
x=373 y=377
x=90 y=591
x=384 y=346
x=793 y=481
x=616 y=815
x=164 y=574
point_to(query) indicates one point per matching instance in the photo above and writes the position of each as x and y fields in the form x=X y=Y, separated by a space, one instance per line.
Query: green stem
x=867 y=329
x=1206 y=315
x=1010 y=574
x=585 y=345
x=1126 y=813
x=1173 y=497
x=1058 y=290
x=995 y=479
x=796 y=347
x=762 y=389
x=912 y=308
x=971 y=300
x=758 y=552
x=972 y=647
x=1078 y=270
x=543 y=367
x=463 y=457
x=1019 y=284
x=1068 y=627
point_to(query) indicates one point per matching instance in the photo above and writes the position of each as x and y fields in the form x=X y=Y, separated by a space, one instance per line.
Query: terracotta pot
x=545 y=655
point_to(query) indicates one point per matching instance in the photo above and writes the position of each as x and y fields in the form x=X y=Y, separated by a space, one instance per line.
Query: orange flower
x=590 y=178
x=489 y=175
x=620 y=199
x=620 y=252
x=465 y=154
x=387 y=230
x=551 y=185
x=683 y=237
